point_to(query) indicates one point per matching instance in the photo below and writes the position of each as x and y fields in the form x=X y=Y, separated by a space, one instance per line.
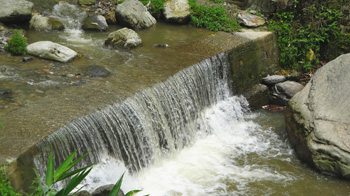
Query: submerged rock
x=86 y=2
x=52 y=51
x=250 y=20
x=95 y=22
x=15 y=11
x=177 y=11
x=133 y=14
x=123 y=38
x=317 y=119
x=97 y=71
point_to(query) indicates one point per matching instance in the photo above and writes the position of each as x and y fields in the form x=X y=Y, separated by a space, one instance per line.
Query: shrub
x=214 y=18
x=17 y=44
x=301 y=36
x=156 y=7
x=5 y=186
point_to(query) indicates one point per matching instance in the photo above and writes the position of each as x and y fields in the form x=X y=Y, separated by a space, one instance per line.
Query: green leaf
x=66 y=175
x=49 y=172
x=116 y=187
x=131 y=193
x=75 y=181
x=64 y=167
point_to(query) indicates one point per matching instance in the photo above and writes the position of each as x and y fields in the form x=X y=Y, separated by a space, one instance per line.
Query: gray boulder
x=15 y=11
x=177 y=11
x=52 y=51
x=250 y=20
x=272 y=80
x=123 y=38
x=133 y=14
x=317 y=119
x=39 y=22
x=283 y=92
x=257 y=96
x=95 y=23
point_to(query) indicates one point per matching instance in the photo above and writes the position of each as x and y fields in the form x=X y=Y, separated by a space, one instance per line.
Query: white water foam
x=218 y=163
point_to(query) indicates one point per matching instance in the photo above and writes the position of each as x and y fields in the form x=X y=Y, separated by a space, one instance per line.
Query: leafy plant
x=17 y=44
x=214 y=18
x=5 y=186
x=62 y=172
x=156 y=7
x=300 y=34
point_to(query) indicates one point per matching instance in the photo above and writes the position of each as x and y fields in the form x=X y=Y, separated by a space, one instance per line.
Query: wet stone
x=27 y=59
x=97 y=71
x=274 y=79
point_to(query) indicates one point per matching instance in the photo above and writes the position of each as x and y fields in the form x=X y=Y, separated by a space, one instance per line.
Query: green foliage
x=156 y=7
x=17 y=44
x=217 y=1
x=5 y=186
x=302 y=34
x=61 y=173
x=214 y=18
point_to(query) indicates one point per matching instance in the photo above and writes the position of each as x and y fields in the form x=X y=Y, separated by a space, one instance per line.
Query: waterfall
x=153 y=123
x=70 y=15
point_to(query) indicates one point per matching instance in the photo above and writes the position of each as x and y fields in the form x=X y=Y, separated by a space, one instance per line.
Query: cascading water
x=186 y=136
x=72 y=18
x=154 y=123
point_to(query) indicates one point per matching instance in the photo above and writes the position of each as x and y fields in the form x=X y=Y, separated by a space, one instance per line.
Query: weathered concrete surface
x=317 y=119
x=256 y=58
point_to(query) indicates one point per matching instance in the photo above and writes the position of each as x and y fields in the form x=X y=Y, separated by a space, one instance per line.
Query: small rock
x=250 y=20
x=289 y=88
x=95 y=22
x=161 y=46
x=274 y=79
x=125 y=38
x=97 y=71
x=27 y=59
x=2 y=107
x=70 y=75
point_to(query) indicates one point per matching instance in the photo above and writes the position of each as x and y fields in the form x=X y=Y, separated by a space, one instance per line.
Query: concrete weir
x=251 y=55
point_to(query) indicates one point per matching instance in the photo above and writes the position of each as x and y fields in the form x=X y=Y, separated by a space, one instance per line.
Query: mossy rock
x=87 y=2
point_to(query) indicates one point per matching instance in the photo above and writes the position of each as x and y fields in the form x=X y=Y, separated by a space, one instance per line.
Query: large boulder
x=52 y=51
x=15 y=11
x=123 y=38
x=317 y=119
x=177 y=11
x=95 y=23
x=133 y=14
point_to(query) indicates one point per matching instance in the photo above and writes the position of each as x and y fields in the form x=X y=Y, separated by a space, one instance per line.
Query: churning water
x=187 y=136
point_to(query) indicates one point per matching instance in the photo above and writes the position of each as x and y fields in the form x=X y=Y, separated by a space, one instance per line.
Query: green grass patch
x=5 y=186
